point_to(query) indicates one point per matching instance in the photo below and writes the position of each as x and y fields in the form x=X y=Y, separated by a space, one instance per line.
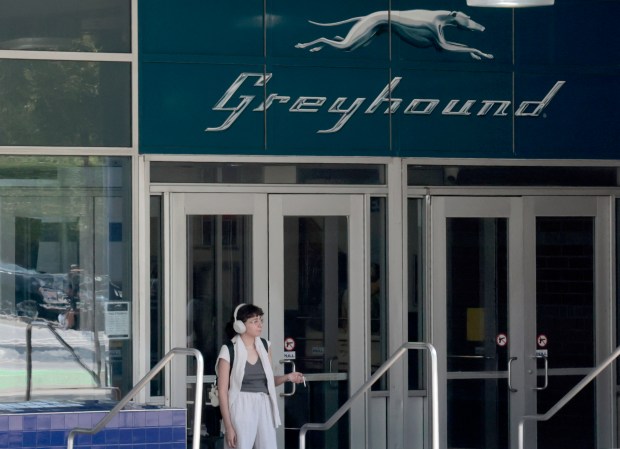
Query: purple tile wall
x=159 y=428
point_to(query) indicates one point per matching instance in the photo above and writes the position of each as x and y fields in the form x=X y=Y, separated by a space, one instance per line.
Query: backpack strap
x=231 y=353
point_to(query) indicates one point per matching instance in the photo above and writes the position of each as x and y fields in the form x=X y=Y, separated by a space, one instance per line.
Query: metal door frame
x=267 y=211
x=182 y=205
x=351 y=206
x=521 y=213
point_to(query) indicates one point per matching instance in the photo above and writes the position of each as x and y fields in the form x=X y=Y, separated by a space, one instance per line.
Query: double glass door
x=299 y=258
x=520 y=297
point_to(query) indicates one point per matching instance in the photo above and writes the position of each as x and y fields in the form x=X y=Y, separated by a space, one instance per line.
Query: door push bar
x=537 y=356
x=283 y=362
x=544 y=357
x=510 y=360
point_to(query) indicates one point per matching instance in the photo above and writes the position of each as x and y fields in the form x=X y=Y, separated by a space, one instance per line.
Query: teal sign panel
x=358 y=79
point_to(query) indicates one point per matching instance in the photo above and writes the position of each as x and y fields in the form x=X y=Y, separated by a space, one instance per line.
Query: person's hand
x=296 y=377
x=231 y=437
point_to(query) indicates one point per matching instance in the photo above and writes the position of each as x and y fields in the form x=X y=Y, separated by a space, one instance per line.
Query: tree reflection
x=64 y=103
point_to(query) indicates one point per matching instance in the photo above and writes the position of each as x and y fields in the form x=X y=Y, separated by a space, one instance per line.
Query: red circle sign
x=289 y=344
x=501 y=339
x=542 y=341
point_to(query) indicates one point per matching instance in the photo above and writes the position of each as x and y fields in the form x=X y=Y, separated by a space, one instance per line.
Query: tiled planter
x=40 y=425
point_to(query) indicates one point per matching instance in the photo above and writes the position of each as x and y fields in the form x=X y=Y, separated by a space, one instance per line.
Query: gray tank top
x=254 y=379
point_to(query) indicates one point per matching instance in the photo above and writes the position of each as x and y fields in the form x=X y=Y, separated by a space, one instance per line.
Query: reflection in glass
x=477 y=293
x=156 y=296
x=219 y=277
x=565 y=315
x=478 y=414
x=565 y=289
x=617 y=235
x=66 y=25
x=429 y=175
x=575 y=424
x=64 y=261
x=262 y=173
x=378 y=288
x=65 y=103
x=316 y=310
x=477 y=312
x=415 y=291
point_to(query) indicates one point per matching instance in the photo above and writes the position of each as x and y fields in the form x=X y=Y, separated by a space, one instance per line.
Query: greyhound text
x=235 y=104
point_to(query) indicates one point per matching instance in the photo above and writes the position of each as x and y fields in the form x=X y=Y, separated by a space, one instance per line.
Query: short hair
x=243 y=314
x=249 y=311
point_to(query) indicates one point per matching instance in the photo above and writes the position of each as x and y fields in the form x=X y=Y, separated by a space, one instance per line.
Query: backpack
x=214 y=395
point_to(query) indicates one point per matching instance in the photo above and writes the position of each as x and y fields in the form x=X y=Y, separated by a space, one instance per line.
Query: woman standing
x=247 y=392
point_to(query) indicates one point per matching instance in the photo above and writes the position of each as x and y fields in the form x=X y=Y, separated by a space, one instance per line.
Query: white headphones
x=238 y=325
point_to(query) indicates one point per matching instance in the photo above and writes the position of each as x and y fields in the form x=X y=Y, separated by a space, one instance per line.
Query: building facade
x=368 y=173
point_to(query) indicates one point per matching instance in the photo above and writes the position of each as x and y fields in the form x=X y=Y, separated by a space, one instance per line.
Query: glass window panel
x=316 y=311
x=219 y=277
x=65 y=262
x=477 y=293
x=428 y=175
x=617 y=285
x=66 y=25
x=65 y=103
x=575 y=424
x=156 y=297
x=415 y=289
x=378 y=288
x=478 y=414
x=253 y=173
x=565 y=289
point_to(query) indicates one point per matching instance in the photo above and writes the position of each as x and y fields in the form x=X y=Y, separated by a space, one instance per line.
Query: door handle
x=284 y=362
x=544 y=357
x=510 y=360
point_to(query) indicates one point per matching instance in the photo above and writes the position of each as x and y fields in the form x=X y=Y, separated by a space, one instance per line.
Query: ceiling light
x=509 y=3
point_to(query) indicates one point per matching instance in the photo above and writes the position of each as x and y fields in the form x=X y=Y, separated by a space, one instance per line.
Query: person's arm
x=295 y=376
x=223 y=376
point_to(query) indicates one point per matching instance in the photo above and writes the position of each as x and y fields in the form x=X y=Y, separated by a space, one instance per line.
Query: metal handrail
x=146 y=379
x=568 y=396
x=361 y=390
x=62 y=342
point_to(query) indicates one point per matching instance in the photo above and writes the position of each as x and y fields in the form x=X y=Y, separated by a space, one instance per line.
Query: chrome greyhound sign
x=343 y=108
x=418 y=27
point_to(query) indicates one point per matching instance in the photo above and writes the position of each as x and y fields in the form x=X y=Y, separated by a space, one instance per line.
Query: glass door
x=518 y=283
x=301 y=259
x=218 y=259
x=470 y=319
x=570 y=280
x=316 y=288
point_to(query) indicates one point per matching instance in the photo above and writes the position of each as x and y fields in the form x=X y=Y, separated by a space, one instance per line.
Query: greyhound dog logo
x=419 y=27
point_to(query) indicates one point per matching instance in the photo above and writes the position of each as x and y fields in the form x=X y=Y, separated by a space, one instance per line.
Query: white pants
x=252 y=419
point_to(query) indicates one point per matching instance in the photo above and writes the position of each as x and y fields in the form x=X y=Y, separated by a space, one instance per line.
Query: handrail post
x=140 y=385
x=198 y=400
x=434 y=396
x=28 y=361
x=374 y=378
